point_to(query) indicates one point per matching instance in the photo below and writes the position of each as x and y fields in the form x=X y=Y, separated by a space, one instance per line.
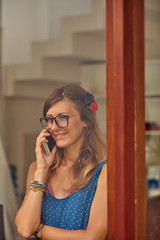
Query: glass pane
x=152 y=92
x=152 y=109
x=45 y=44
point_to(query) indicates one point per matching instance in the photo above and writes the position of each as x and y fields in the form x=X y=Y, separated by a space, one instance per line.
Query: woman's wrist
x=40 y=175
x=39 y=231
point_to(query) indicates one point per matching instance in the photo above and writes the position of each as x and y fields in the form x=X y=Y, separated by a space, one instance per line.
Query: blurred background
x=45 y=44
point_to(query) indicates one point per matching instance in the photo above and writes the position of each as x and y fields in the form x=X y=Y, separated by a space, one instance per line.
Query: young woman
x=66 y=196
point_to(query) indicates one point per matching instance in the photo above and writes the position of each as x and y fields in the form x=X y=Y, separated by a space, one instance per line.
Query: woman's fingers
x=43 y=134
x=50 y=159
x=42 y=137
x=54 y=151
x=42 y=158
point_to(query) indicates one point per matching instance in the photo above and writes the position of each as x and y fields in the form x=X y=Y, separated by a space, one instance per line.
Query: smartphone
x=49 y=146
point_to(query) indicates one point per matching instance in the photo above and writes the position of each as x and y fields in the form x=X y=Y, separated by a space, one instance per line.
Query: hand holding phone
x=49 y=146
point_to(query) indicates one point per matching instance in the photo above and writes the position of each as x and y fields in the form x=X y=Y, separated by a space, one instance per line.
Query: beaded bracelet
x=38 y=183
x=35 y=189
x=37 y=186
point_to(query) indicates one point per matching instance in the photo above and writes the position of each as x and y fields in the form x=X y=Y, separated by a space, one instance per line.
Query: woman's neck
x=70 y=157
x=71 y=153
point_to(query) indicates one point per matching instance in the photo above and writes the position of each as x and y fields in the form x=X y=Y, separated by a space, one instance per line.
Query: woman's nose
x=54 y=126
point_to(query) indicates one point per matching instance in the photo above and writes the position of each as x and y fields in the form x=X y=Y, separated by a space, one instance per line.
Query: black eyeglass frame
x=54 y=119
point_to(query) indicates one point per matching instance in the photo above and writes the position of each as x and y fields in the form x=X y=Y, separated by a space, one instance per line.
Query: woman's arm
x=97 y=225
x=28 y=217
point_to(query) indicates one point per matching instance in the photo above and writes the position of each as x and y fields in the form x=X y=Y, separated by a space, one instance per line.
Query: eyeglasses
x=60 y=120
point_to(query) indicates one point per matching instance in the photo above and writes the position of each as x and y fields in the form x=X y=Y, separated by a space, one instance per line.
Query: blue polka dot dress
x=71 y=212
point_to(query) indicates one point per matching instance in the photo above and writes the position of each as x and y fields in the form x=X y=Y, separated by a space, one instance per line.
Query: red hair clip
x=90 y=102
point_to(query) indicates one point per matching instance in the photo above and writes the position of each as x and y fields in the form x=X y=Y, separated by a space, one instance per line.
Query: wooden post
x=125 y=119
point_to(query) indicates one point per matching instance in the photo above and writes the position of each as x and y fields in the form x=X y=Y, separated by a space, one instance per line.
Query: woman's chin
x=61 y=144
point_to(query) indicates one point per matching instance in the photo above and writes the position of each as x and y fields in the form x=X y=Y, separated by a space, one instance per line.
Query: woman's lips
x=60 y=136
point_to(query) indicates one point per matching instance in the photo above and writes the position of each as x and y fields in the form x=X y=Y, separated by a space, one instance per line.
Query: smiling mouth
x=60 y=136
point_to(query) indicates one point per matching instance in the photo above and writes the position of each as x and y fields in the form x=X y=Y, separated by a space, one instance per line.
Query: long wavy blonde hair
x=93 y=149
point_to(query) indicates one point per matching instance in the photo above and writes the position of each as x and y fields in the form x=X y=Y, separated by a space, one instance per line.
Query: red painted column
x=125 y=119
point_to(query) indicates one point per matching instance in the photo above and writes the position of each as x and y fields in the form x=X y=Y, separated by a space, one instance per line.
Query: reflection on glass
x=152 y=83
x=152 y=109
x=46 y=44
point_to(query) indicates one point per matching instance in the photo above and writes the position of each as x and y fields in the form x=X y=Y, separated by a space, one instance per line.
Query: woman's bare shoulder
x=103 y=174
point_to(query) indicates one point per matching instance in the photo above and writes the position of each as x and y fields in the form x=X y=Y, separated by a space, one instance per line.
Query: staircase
x=55 y=62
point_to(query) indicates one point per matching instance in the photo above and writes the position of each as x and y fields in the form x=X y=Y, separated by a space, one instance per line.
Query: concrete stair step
x=76 y=46
x=93 y=78
x=35 y=89
x=98 y=5
x=153 y=5
x=152 y=29
x=90 y=76
x=82 y=23
x=152 y=73
x=86 y=47
x=64 y=70
x=85 y=22
x=54 y=71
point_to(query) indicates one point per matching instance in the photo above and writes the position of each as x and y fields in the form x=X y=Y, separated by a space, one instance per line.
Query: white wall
x=23 y=21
